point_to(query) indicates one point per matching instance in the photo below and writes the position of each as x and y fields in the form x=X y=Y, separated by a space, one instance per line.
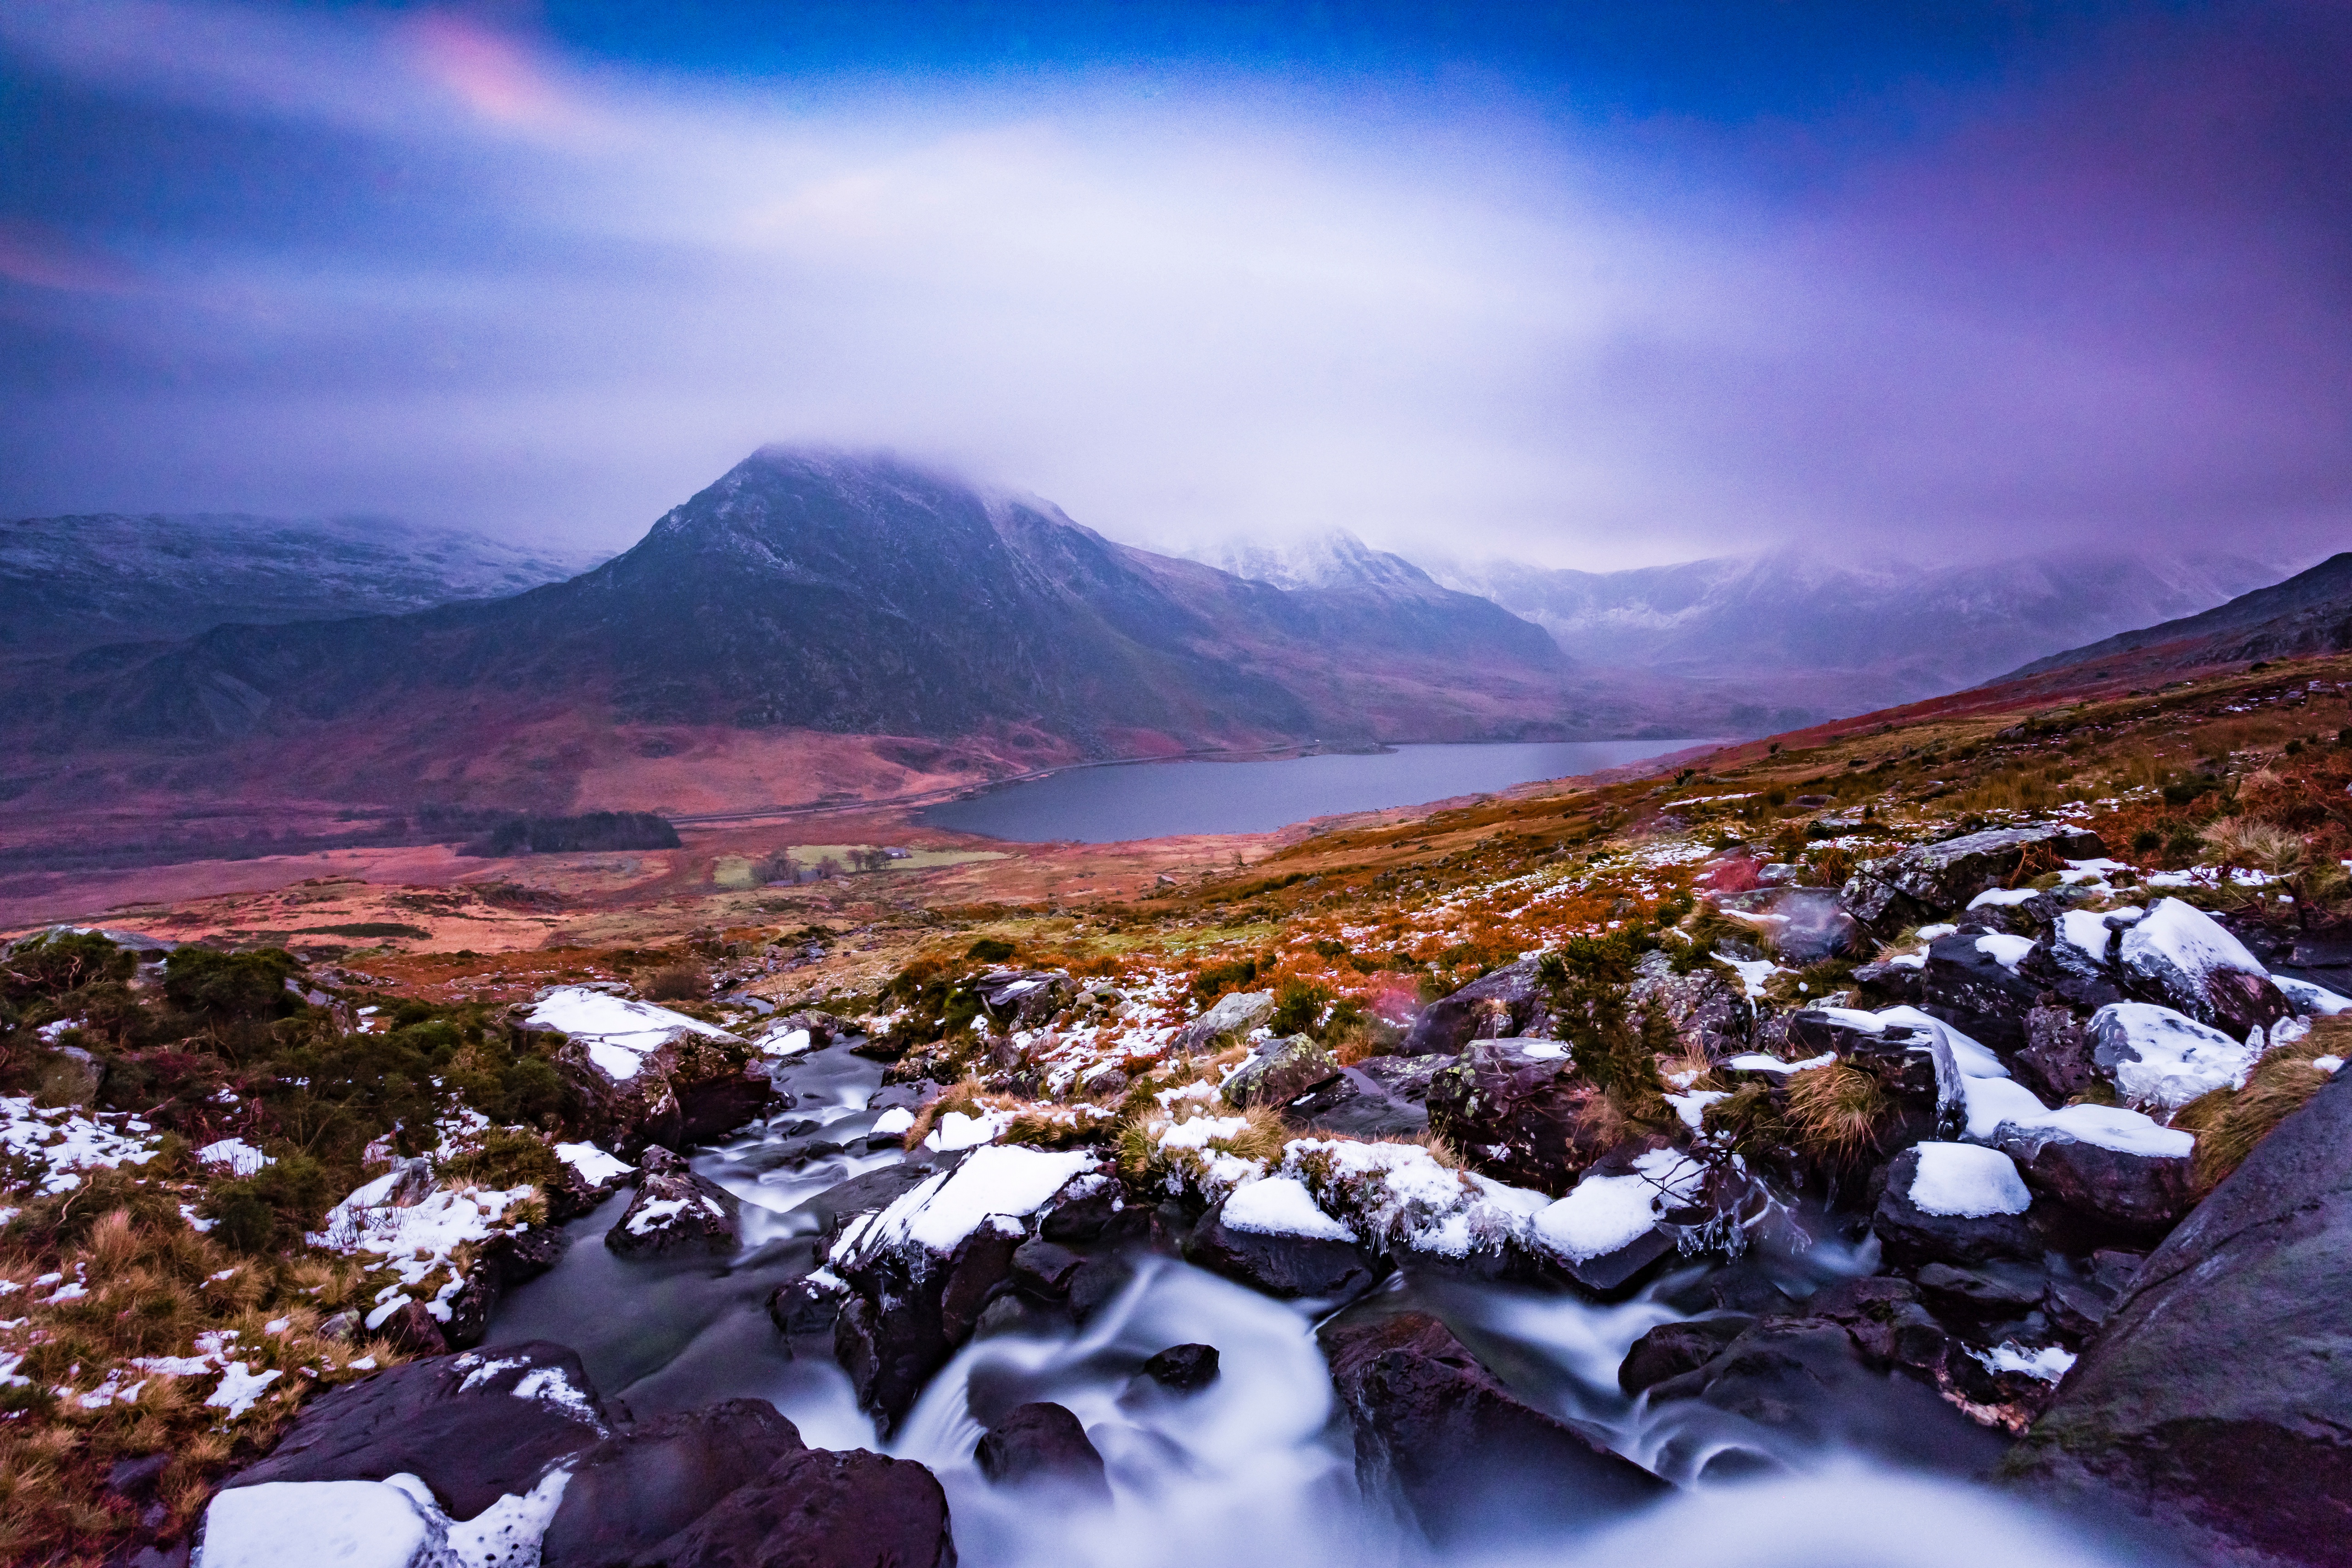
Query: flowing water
x=1155 y=800
x=1255 y=1472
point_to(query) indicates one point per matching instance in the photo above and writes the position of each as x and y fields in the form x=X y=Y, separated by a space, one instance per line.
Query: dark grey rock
x=2057 y=1062
x=1185 y=1368
x=630 y=1493
x=1510 y=1107
x=1045 y=1443
x=455 y=1422
x=1285 y=1265
x=1467 y=1456
x=1279 y=1071
x=1356 y=1104
x=674 y=1210
x=1671 y=1350
x=1708 y=1008
x=1910 y=1235
x=2138 y=1198
x=1931 y=880
x=1229 y=1019
x=1403 y=1077
x=1045 y=1269
x=1511 y=1002
x=821 y=1509
x=1977 y=993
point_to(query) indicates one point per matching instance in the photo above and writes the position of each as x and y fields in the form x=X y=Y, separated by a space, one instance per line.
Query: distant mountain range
x=1791 y=637
x=821 y=593
x=2310 y=613
x=72 y=583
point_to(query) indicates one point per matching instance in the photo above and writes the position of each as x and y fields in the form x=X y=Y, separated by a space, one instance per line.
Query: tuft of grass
x=1834 y=1111
x=2229 y=1122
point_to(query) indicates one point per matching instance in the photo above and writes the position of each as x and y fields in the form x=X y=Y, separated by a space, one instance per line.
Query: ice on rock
x=2163 y=1059
x=1969 y=1181
x=2047 y=1363
x=1281 y=1205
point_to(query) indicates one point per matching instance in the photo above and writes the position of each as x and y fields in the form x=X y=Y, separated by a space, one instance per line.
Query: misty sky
x=1596 y=284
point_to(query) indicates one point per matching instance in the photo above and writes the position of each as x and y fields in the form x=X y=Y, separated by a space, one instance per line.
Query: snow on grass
x=417 y=1240
x=1001 y=1179
x=240 y=1387
x=235 y=1156
x=957 y=1131
x=1756 y=1061
x=1968 y=1181
x=46 y=1150
x=2311 y=999
x=1281 y=1205
x=1754 y=972
x=618 y=1031
x=2163 y=1059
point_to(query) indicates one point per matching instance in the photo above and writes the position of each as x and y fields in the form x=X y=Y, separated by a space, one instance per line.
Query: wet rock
x=915 y=1096
x=502 y=1262
x=2181 y=957
x=822 y=1509
x=413 y=1329
x=1228 y=1019
x=1045 y=1269
x=1933 y=879
x=1081 y=1220
x=1403 y=1077
x=804 y=1306
x=1967 y=985
x=630 y=1493
x=2213 y=1401
x=2136 y=1193
x=1991 y=1291
x=1323 y=1268
x=1511 y=1108
x=1708 y=1008
x=1468 y=1457
x=674 y=1210
x=911 y=1309
x=474 y=1428
x=1512 y=1002
x=1185 y=1368
x=1970 y=1208
x=711 y=1107
x=1671 y=1350
x=1279 y=1071
x=2057 y=1062
x=1042 y=1442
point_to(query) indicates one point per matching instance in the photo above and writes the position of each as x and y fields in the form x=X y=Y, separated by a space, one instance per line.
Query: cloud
x=412 y=263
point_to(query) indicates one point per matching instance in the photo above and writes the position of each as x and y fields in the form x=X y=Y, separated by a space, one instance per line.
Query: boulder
x=1042 y=1443
x=1954 y=1202
x=708 y=1107
x=1270 y=1236
x=2112 y=1169
x=1467 y=1456
x=1229 y=1017
x=821 y=1509
x=1671 y=1350
x=1510 y=1108
x=1708 y=1008
x=628 y=1494
x=1187 y=1369
x=1403 y=1077
x=474 y=1428
x=70 y=1076
x=2212 y=1401
x=412 y=1330
x=292 y=1524
x=674 y=1210
x=1804 y=925
x=1511 y=1002
x=1023 y=998
x=1897 y=981
x=1932 y=879
x=1279 y=1071
x=2162 y=1059
x=502 y=1261
x=2057 y=1062
x=1973 y=981
x=2073 y=962
x=1911 y=1059
x=2180 y=955
x=1044 y=1269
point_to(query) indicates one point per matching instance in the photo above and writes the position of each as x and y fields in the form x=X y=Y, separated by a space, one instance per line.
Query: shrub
x=1298 y=1008
x=69 y=962
x=271 y=1208
x=1834 y=1111
x=990 y=950
x=231 y=984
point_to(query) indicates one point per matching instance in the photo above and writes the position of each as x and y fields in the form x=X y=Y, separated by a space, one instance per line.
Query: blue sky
x=1597 y=285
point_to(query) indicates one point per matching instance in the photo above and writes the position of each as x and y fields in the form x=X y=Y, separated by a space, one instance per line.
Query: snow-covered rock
x=1967 y=1180
x=2161 y=1059
x=1606 y=1228
x=299 y=1524
x=618 y=1032
x=999 y=1180
x=2182 y=955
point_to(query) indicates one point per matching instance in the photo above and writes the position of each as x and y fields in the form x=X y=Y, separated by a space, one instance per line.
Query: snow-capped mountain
x=72 y=583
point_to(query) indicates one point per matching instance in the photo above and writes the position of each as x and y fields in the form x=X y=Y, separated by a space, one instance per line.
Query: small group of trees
x=783 y=867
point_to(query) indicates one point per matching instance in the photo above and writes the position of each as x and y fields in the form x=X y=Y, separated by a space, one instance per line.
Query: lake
x=1157 y=800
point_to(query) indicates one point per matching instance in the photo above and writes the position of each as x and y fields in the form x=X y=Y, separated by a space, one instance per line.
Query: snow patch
x=1281 y=1205
x=2164 y=1058
x=591 y=1164
x=1968 y=1181
x=1000 y=1179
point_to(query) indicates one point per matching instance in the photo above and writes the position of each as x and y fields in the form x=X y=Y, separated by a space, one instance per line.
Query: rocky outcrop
x=674 y=1210
x=1325 y=1264
x=1042 y=1444
x=1279 y=1071
x=822 y=1509
x=1973 y=982
x=1511 y=1002
x=474 y=1428
x=1969 y=1209
x=1467 y=1456
x=1228 y=1019
x=1933 y=879
x=630 y=1493
x=2213 y=1400
x=1023 y=998
x=1511 y=1108
x=2181 y=957
x=2131 y=1187
x=1708 y=1007
x=502 y=1261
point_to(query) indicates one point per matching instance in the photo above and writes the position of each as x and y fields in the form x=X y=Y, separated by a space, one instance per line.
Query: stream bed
x=1257 y=1469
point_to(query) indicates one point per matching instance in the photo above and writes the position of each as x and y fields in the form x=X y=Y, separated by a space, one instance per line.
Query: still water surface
x=1155 y=800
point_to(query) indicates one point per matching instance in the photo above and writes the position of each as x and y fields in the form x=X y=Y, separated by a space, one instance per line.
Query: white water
x=1256 y=1470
